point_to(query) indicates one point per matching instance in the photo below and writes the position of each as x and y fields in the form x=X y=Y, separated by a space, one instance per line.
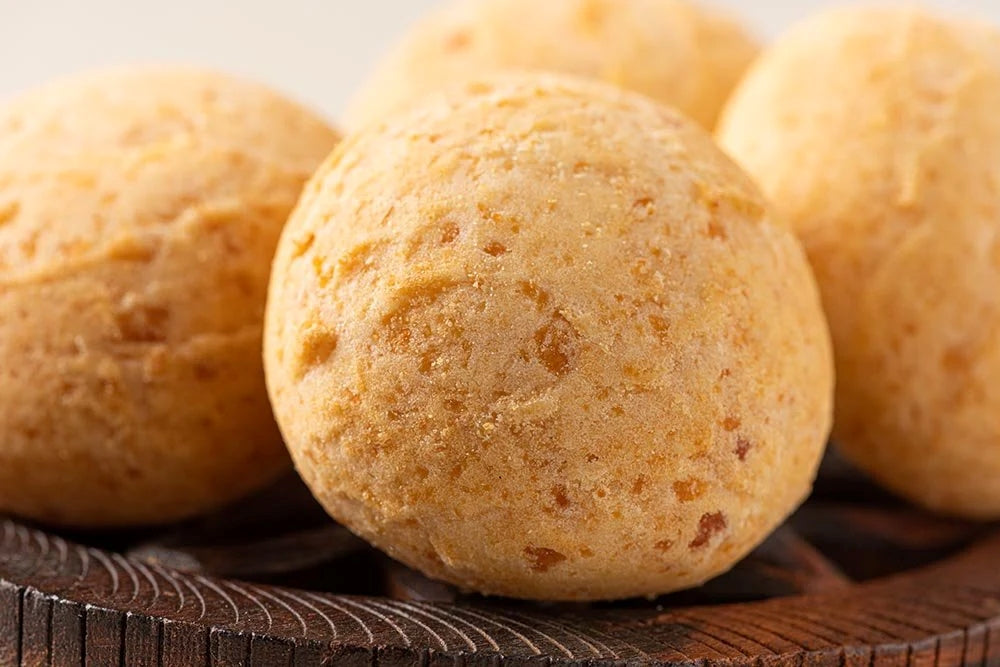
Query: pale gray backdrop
x=317 y=50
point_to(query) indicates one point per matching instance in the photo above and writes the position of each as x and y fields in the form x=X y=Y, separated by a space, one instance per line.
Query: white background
x=316 y=50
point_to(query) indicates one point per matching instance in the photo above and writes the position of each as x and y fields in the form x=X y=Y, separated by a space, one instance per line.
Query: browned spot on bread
x=644 y=206
x=560 y=497
x=449 y=233
x=716 y=231
x=709 y=526
x=426 y=362
x=132 y=249
x=433 y=557
x=495 y=249
x=301 y=245
x=664 y=545
x=555 y=345
x=9 y=211
x=639 y=484
x=731 y=423
x=640 y=269
x=743 y=447
x=542 y=559
x=661 y=327
x=492 y=215
x=142 y=323
x=322 y=273
x=535 y=293
x=689 y=489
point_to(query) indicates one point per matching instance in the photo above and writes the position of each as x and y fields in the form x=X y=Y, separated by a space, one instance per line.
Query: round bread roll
x=875 y=131
x=139 y=211
x=540 y=338
x=671 y=50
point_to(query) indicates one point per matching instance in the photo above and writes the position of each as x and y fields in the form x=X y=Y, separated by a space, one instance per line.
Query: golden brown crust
x=143 y=209
x=672 y=50
x=875 y=133
x=540 y=338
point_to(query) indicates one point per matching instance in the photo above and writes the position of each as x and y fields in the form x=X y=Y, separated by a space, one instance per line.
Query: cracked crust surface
x=674 y=51
x=875 y=133
x=540 y=338
x=138 y=213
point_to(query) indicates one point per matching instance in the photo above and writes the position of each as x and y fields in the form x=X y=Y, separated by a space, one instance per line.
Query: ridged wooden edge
x=65 y=604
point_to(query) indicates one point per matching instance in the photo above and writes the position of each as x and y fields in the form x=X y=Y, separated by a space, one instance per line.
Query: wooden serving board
x=854 y=578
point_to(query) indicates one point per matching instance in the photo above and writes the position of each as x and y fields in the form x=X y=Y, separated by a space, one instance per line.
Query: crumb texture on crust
x=674 y=51
x=139 y=210
x=540 y=338
x=875 y=133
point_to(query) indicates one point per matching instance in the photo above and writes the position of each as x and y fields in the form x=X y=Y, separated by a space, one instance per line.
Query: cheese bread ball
x=139 y=211
x=674 y=51
x=540 y=338
x=875 y=131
